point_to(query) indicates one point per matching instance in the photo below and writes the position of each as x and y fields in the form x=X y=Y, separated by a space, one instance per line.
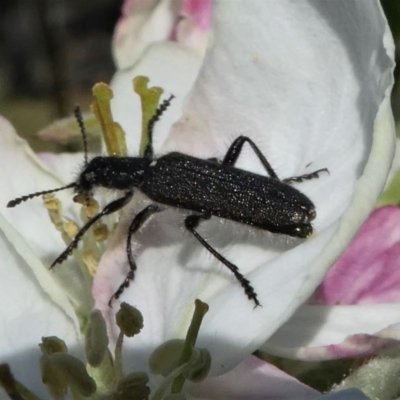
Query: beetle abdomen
x=186 y=182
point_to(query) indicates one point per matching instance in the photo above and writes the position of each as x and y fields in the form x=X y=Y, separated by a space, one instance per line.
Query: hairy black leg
x=135 y=225
x=191 y=223
x=311 y=175
x=108 y=209
x=149 y=152
x=235 y=149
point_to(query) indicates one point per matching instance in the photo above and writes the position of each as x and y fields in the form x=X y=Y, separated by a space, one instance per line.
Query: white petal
x=22 y=174
x=28 y=312
x=309 y=82
x=28 y=228
x=311 y=99
x=66 y=166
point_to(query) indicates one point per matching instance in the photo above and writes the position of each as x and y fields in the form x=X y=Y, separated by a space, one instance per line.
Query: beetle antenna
x=150 y=126
x=79 y=120
x=19 y=200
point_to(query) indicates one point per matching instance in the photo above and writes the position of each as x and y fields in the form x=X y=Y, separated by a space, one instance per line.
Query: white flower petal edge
x=17 y=247
x=337 y=321
x=23 y=173
x=32 y=307
x=316 y=333
x=305 y=81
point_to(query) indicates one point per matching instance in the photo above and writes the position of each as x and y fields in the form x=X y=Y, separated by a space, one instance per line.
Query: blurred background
x=54 y=51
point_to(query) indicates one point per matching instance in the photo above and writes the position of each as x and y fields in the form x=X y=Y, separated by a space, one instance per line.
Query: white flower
x=311 y=94
x=309 y=82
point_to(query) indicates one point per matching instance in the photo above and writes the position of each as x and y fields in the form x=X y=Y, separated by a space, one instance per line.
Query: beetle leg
x=235 y=149
x=108 y=209
x=311 y=175
x=191 y=223
x=135 y=225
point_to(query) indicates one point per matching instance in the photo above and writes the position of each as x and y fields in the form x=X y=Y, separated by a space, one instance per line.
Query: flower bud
x=96 y=339
x=133 y=386
x=129 y=320
x=199 y=365
x=60 y=371
x=165 y=358
x=52 y=344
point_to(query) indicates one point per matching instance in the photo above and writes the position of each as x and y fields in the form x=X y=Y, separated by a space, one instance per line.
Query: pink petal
x=193 y=27
x=199 y=11
x=368 y=272
x=359 y=345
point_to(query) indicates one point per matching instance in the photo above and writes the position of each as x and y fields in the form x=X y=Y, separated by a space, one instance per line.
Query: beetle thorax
x=120 y=173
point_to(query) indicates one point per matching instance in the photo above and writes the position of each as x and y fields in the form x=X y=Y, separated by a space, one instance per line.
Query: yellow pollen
x=92 y=208
x=53 y=206
x=80 y=199
x=100 y=232
x=91 y=260
x=70 y=228
x=51 y=203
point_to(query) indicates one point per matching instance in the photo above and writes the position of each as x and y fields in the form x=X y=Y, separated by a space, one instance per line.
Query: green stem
x=118 y=356
x=200 y=311
x=25 y=392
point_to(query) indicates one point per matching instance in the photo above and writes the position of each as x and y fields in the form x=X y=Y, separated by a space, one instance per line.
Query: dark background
x=54 y=51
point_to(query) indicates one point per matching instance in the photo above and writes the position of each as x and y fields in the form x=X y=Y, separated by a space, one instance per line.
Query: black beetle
x=207 y=187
